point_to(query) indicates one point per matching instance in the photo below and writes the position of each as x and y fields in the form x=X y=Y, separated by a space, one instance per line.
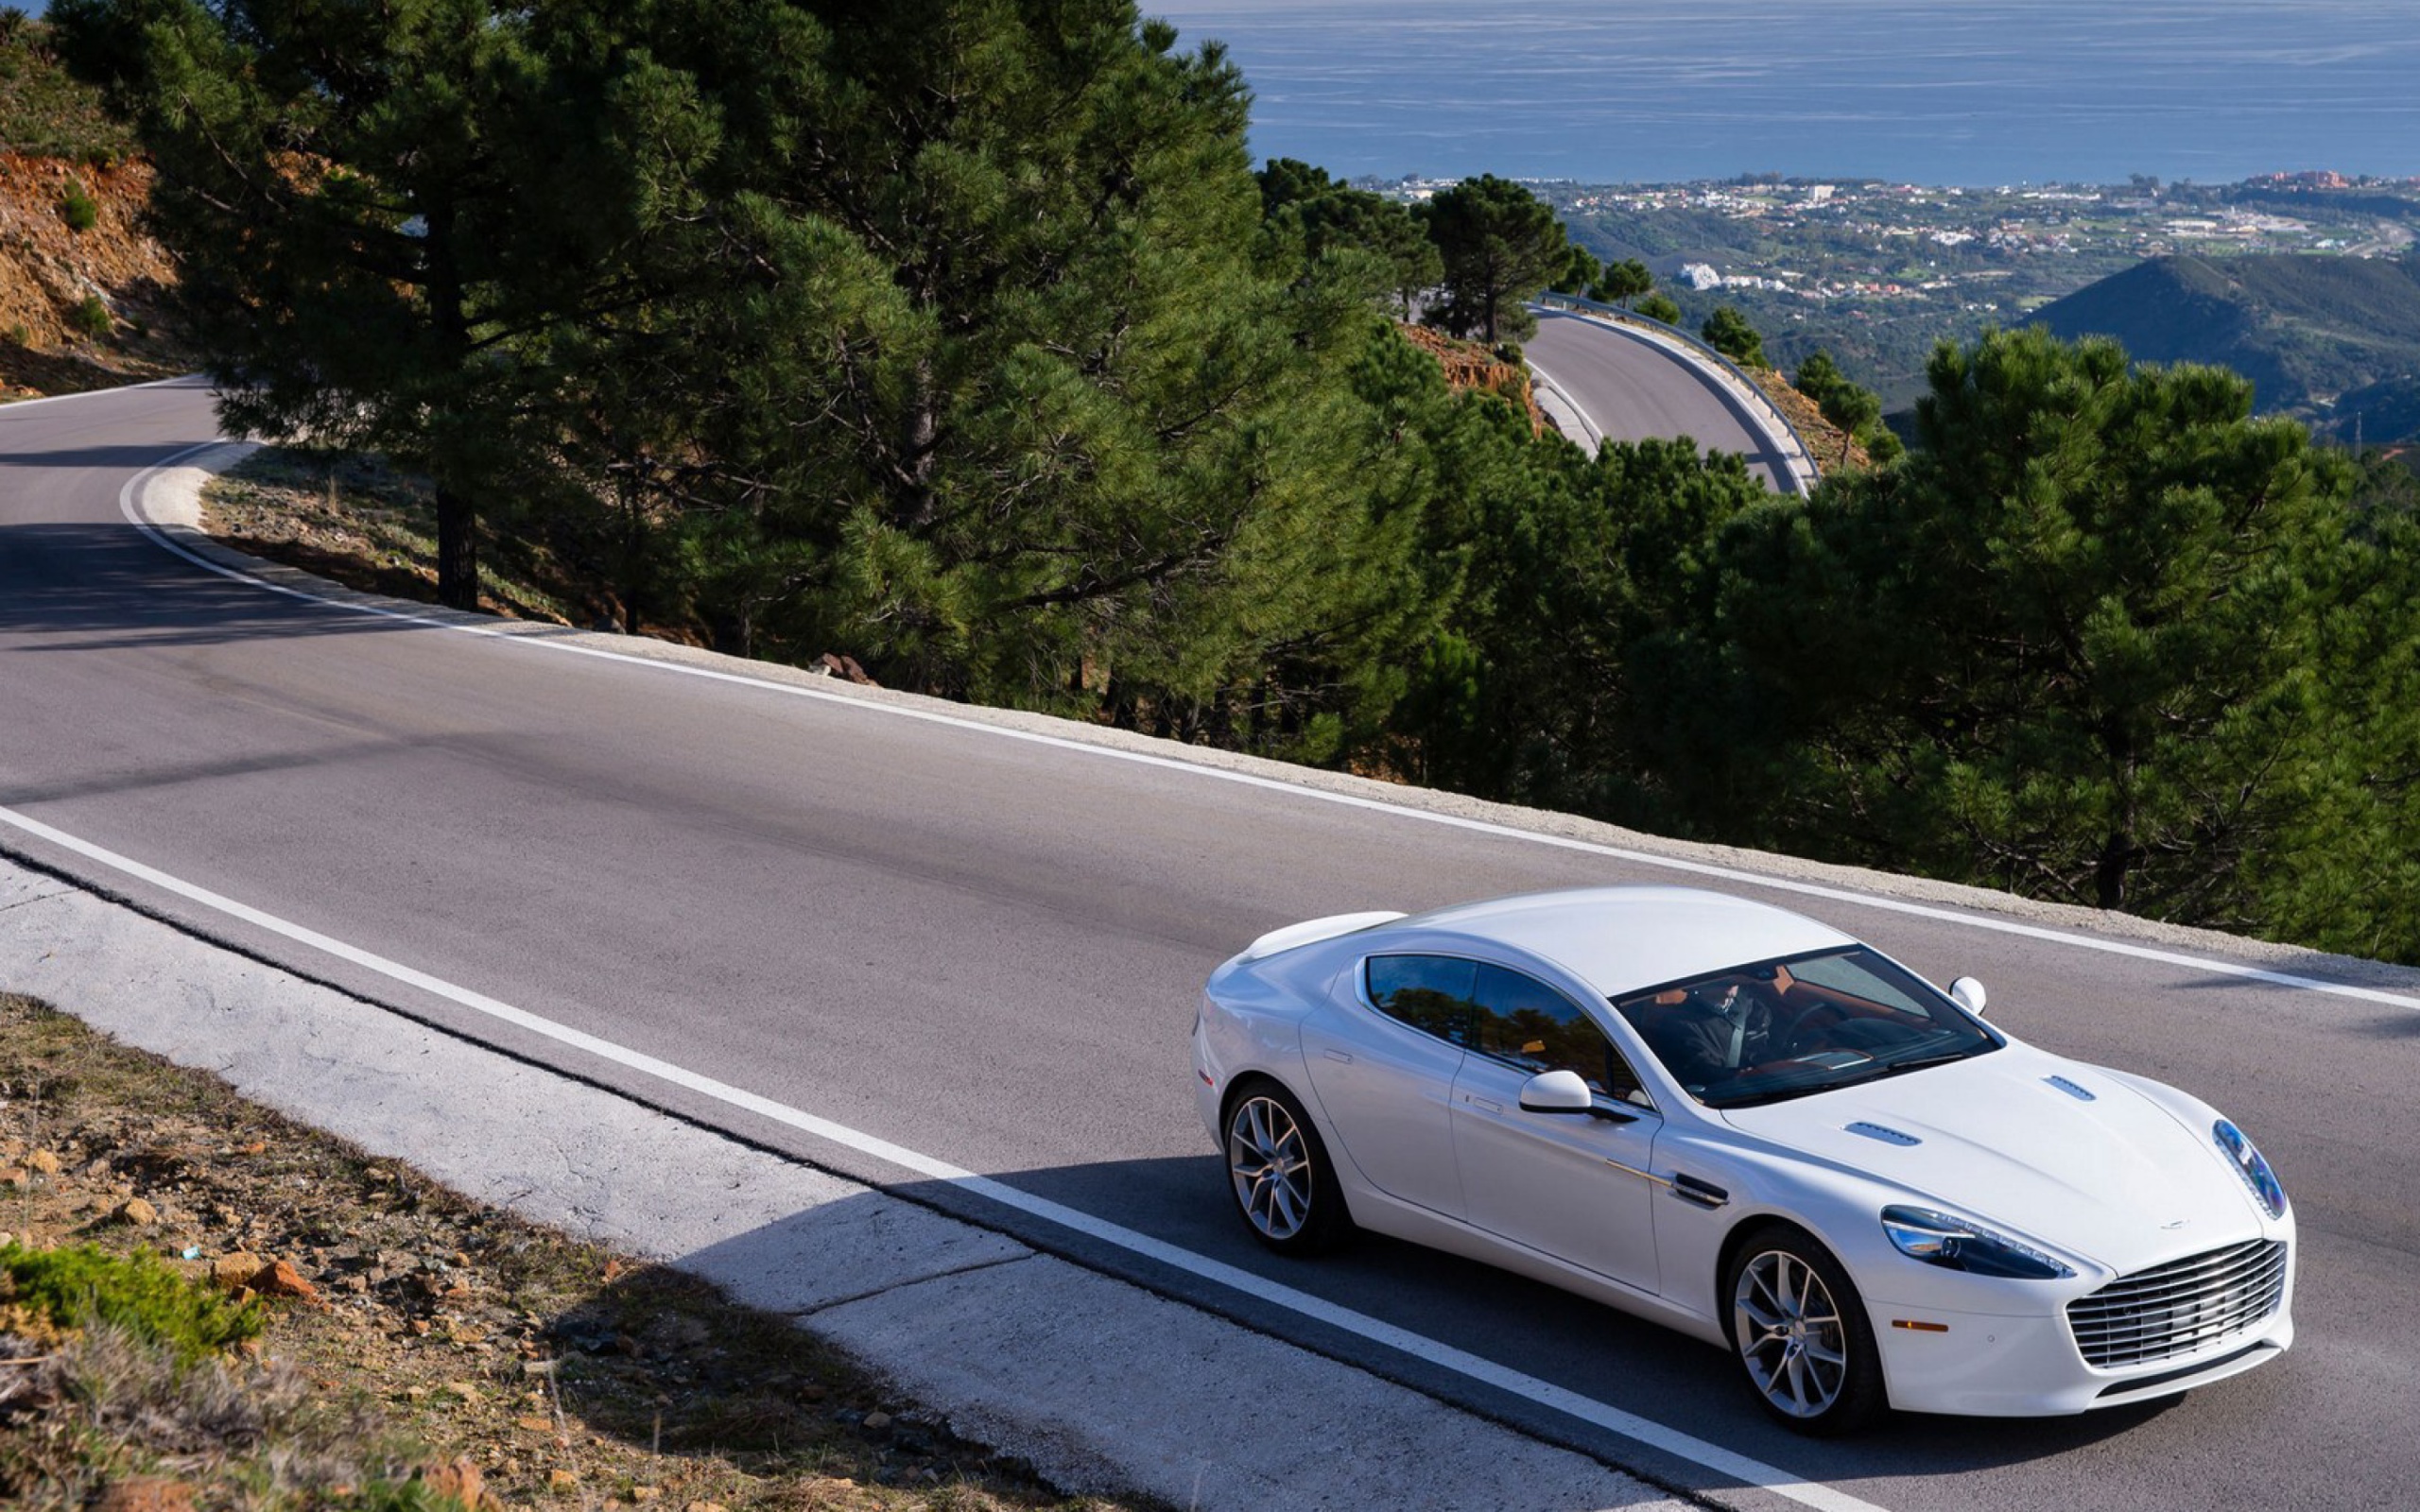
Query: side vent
x=1705 y=1194
x=2079 y=1093
x=1887 y=1136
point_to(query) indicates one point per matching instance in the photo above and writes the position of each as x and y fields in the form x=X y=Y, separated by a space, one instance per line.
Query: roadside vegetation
x=961 y=339
x=204 y=1307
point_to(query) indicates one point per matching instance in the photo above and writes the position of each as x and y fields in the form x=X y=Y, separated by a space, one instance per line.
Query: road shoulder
x=1099 y=1384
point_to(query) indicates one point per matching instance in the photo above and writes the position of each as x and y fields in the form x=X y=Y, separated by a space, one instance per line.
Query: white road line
x=1474 y=1367
x=1656 y=1435
x=1642 y=858
x=15 y=405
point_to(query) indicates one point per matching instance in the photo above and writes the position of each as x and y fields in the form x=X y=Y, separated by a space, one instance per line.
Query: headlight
x=1938 y=1239
x=2245 y=1157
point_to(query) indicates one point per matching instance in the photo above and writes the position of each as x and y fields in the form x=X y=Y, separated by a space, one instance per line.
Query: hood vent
x=2071 y=1089
x=1887 y=1136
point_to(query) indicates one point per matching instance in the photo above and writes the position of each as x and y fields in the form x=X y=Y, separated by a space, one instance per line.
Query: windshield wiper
x=1777 y=1095
x=1783 y=1095
x=1913 y=1063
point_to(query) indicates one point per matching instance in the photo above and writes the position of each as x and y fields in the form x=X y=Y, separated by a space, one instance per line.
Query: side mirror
x=1556 y=1091
x=1968 y=994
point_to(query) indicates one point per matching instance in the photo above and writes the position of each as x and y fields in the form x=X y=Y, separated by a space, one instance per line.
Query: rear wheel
x=1801 y=1333
x=1278 y=1169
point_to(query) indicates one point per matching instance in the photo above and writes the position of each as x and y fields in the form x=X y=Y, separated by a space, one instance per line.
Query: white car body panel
x=1430 y=1146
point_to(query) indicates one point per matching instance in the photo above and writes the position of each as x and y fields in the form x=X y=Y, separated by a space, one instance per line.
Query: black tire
x=1278 y=1172
x=1801 y=1334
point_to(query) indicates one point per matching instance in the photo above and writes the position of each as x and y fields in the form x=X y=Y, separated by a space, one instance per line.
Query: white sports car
x=1746 y=1124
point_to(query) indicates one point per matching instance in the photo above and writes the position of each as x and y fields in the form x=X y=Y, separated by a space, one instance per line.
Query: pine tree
x=331 y=180
x=1501 y=245
x=2104 y=638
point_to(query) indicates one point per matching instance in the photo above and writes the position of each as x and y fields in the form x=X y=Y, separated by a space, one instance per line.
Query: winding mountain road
x=1629 y=385
x=926 y=925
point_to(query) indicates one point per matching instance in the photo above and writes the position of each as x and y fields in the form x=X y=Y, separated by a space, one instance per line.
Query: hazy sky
x=1942 y=91
x=1934 y=91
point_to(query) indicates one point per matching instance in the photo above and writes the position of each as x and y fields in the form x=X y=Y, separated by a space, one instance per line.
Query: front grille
x=2181 y=1307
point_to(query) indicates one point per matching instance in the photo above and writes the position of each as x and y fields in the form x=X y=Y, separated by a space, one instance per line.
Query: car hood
x=2115 y=1180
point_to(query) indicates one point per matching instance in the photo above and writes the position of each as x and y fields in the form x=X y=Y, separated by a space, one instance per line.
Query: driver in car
x=1708 y=1031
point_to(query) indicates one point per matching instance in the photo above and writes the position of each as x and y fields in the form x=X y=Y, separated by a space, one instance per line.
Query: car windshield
x=1783 y=1029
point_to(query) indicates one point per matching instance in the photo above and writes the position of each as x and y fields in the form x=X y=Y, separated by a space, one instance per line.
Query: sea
x=1975 y=92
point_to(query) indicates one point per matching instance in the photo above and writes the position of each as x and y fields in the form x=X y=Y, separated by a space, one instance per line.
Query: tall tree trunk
x=921 y=445
x=458 y=550
x=2117 y=856
x=458 y=516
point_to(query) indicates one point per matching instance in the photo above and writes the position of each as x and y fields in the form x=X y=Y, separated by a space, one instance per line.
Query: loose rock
x=146 y=1495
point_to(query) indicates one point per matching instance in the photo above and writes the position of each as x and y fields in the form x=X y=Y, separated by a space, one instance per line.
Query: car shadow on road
x=1486 y=1321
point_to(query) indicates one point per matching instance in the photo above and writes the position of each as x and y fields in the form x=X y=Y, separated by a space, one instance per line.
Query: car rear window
x=1431 y=994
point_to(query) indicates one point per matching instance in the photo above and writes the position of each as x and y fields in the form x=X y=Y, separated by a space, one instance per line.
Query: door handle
x=1484 y=1105
x=1339 y=1057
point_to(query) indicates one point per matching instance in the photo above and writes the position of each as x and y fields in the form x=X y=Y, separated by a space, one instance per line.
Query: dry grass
x=447 y=1350
x=356 y=520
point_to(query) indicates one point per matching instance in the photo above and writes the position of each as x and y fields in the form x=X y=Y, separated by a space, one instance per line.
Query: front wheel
x=1283 y=1189
x=1801 y=1334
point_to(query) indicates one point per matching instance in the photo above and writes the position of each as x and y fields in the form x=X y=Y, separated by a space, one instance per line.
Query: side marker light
x=1920 y=1328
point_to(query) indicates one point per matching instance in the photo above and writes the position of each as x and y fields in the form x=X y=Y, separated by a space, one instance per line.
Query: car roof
x=1620 y=939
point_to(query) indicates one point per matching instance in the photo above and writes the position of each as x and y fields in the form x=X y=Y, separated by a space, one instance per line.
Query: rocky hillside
x=1474 y=364
x=82 y=288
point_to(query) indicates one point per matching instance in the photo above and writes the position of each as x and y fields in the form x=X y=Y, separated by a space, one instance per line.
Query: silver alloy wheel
x=1790 y=1333
x=1271 y=1167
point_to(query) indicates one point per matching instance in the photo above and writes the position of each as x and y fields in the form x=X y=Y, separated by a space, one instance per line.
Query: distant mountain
x=2322 y=338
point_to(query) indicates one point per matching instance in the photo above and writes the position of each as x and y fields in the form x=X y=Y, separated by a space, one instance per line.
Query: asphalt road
x=987 y=951
x=1633 y=389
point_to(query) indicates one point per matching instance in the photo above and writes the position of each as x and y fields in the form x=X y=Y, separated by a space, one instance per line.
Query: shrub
x=137 y=1293
x=83 y=213
x=1728 y=332
x=92 y=317
x=1660 y=307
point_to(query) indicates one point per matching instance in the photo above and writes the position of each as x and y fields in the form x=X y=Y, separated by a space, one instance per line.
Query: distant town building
x=1701 y=276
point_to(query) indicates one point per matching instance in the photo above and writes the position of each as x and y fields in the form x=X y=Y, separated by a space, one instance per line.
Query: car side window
x=1528 y=1024
x=1431 y=994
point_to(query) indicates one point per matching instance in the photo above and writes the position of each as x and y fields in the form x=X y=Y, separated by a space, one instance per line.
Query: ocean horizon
x=1972 y=92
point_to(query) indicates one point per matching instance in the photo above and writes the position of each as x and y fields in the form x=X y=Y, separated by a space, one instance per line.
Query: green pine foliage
x=1729 y=332
x=2103 y=638
x=1501 y=245
x=1660 y=307
x=77 y=207
x=1305 y=214
x=960 y=337
x=1621 y=282
x=1856 y=410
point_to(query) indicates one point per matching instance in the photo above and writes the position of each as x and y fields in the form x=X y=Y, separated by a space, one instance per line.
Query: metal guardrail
x=1617 y=316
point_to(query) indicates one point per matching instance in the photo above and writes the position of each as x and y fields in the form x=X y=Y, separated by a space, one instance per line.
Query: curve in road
x=987 y=951
x=1629 y=385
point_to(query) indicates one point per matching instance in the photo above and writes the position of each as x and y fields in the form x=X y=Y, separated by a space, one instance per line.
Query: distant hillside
x=2322 y=339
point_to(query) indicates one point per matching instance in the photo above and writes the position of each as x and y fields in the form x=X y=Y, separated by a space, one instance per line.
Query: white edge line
x=1489 y=827
x=1475 y=1368
x=1656 y=1435
x=15 y=405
